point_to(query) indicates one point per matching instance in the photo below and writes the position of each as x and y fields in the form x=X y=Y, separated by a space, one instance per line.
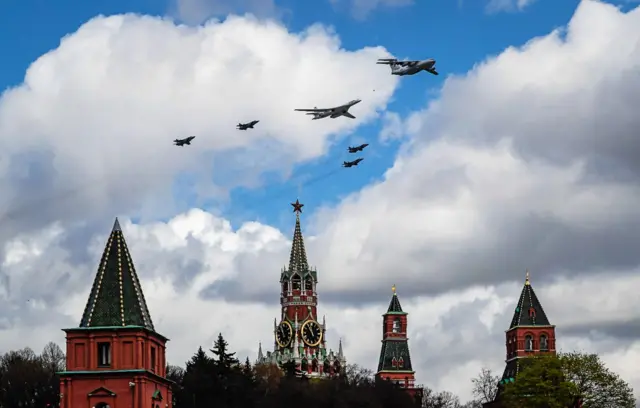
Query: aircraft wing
x=347 y=114
x=313 y=110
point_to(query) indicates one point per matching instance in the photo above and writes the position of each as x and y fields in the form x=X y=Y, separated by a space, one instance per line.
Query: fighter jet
x=245 y=126
x=352 y=163
x=342 y=110
x=182 y=142
x=358 y=148
x=409 y=67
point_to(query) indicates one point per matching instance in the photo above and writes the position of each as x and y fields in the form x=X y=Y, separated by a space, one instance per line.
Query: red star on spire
x=297 y=207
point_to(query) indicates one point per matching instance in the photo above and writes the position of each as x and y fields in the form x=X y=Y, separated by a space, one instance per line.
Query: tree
x=541 y=384
x=26 y=382
x=596 y=385
x=197 y=382
x=485 y=386
x=267 y=376
x=247 y=370
x=358 y=376
x=223 y=359
x=53 y=357
x=443 y=399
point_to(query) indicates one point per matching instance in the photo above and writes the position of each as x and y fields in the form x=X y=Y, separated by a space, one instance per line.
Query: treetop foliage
x=218 y=379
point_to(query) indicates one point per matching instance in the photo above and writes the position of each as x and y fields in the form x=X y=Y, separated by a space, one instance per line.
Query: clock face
x=284 y=334
x=311 y=333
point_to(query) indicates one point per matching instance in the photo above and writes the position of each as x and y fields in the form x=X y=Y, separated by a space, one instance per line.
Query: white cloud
x=530 y=160
x=361 y=9
x=495 y=6
x=96 y=116
x=197 y=11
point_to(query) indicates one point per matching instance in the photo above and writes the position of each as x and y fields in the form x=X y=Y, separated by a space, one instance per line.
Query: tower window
x=544 y=344
x=285 y=287
x=396 y=326
x=296 y=282
x=153 y=359
x=308 y=284
x=104 y=354
x=528 y=343
x=532 y=312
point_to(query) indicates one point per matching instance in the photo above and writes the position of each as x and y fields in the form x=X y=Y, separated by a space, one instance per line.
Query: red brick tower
x=529 y=334
x=115 y=359
x=299 y=337
x=395 y=360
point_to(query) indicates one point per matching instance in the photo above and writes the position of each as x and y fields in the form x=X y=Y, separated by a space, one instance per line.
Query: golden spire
x=393 y=288
x=526 y=281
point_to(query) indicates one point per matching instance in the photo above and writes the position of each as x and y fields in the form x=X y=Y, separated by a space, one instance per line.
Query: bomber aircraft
x=409 y=67
x=245 y=126
x=358 y=148
x=352 y=163
x=182 y=142
x=342 y=110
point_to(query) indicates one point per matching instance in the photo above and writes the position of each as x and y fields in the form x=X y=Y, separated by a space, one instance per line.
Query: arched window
x=326 y=368
x=336 y=367
x=544 y=343
x=102 y=405
x=396 y=326
x=314 y=366
x=308 y=284
x=296 y=282
x=528 y=343
x=305 y=365
x=285 y=287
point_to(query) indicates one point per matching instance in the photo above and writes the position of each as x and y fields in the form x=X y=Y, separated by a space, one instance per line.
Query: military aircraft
x=342 y=110
x=358 y=148
x=245 y=126
x=352 y=163
x=182 y=142
x=409 y=67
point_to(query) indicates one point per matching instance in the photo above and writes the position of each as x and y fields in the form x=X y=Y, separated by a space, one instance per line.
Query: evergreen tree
x=197 y=382
x=223 y=360
x=247 y=370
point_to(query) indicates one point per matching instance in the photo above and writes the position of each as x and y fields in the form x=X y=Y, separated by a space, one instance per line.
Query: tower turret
x=395 y=359
x=299 y=336
x=115 y=356
x=530 y=333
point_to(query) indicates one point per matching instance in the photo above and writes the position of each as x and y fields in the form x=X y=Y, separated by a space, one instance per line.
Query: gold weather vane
x=393 y=288
x=526 y=281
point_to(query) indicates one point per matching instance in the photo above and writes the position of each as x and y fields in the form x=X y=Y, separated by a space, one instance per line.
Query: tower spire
x=298 y=258
x=116 y=297
x=395 y=359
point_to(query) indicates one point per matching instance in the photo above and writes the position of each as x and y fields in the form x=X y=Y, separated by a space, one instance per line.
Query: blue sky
x=458 y=36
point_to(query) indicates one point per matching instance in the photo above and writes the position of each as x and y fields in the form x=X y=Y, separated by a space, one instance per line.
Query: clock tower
x=299 y=335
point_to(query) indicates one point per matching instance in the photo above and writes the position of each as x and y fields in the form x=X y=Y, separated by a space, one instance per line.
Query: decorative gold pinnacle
x=526 y=281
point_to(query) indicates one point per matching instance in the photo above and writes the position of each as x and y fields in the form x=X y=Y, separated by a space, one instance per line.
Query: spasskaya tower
x=299 y=336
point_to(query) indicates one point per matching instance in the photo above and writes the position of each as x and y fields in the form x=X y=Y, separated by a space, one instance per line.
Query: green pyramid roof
x=116 y=298
x=529 y=311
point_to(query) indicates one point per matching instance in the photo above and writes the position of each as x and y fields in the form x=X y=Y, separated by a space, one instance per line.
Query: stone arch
x=295 y=282
x=544 y=342
x=397 y=325
x=528 y=342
